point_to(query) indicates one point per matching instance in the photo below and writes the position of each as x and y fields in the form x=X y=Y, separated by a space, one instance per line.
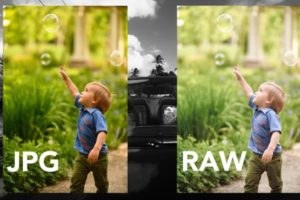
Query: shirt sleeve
x=77 y=104
x=274 y=122
x=250 y=103
x=100 y=122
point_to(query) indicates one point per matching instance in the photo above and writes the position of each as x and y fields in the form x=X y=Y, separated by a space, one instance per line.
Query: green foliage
x=41 y=105
x=35 y=177
x=207 y=110
x=32 y=109
x=39 y=112
x=204 y=181
x=199 y=99
x=213 y=114
x=35 y=40
x=214 y=110
x=201 y=29
x=44 y=116
x=290 y=115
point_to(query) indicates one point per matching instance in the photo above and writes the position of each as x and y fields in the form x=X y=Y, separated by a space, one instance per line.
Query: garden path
x=290 y=175
x=117 y=175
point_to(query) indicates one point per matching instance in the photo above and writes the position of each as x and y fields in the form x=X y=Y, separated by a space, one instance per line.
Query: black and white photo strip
x=150 y=66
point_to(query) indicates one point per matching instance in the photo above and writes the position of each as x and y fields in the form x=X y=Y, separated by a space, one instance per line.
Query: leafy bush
x=40 y=115
x=208 y=110
x=35 y=177
x=213 y=116
x=39 y=101
x=31 y=111
x=204 y=181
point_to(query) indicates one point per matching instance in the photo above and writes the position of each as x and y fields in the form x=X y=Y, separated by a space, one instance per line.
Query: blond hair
x=104 y=97
x=278 y=95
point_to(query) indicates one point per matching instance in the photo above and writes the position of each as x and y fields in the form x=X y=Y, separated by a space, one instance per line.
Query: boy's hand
x=71 y=86
x=237 y=73
x=267 y=156
x=93 y=155
x=63 y=72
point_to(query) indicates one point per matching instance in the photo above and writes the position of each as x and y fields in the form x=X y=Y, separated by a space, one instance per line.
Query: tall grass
x=206 y=111
x=204 y=181
x=38 y=104
x=30 y=111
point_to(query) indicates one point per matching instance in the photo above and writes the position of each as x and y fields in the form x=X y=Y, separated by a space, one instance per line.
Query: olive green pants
x=81 y=169
x=255 y=169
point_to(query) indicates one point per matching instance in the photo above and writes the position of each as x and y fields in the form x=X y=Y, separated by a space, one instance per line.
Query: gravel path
x=290 y=176
x=117 y=175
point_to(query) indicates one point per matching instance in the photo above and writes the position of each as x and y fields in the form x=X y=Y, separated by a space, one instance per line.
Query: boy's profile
x=266 y=103
x=92 y=103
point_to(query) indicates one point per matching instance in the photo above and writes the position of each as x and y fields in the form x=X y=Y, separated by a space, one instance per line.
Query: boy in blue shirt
x=92 y=103
x=266 y=103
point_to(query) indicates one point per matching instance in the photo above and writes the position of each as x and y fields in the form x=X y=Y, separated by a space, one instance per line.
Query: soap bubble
x=180 y=22
x=290 y=58
x=116 y=112
x=219 y=59
x=225 y=23
x=116 y=58
x=45 y=59
x=290 y=112
x=51 y=23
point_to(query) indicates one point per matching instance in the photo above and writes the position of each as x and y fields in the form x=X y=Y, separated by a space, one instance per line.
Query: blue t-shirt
x=89 y=124
x=264 y=122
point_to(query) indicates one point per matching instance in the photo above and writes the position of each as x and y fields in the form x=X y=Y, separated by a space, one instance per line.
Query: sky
x=153 y=34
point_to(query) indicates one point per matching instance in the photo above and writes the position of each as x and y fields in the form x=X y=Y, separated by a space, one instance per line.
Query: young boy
x=266 y=103
x=92 y=103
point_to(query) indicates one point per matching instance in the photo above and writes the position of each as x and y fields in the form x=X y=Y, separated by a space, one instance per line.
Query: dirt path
x=290 y=175
x=117 y=175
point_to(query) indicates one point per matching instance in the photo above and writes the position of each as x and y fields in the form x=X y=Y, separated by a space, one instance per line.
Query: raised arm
x=71 y=86
x=245 y=86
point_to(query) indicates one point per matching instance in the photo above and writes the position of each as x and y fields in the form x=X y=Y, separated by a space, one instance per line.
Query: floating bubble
x=219 y=59
x=290 y=58
x=180 y=22
x=225 y=23
x=6 y=22
x=222 y=78
x=51 y=23
x=114 y=96
x=290 y=112
x=45 y=59
x=116 y=112
x=116 y=58
x=179 y=46
x=117 y=94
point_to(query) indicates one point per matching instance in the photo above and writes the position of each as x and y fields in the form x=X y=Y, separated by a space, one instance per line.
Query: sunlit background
x=39 y=115
x=212 y=111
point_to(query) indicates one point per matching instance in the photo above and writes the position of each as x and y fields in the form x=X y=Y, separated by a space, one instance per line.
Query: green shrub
x=204 y=181
x=40 y=115
x=207 y=110
x=35 y=177
x=39 y=101
x=31 y=111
